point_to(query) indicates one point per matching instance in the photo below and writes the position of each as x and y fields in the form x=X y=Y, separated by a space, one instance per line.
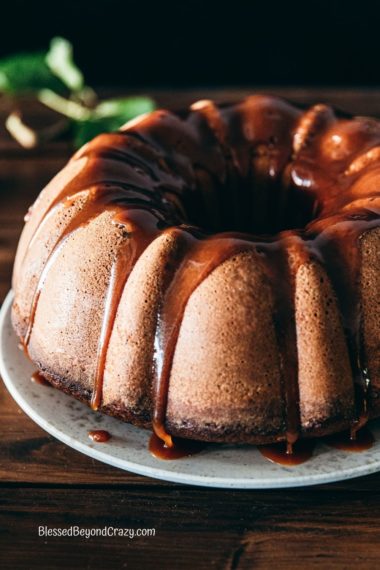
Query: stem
x=70 y=109
x=28 y=137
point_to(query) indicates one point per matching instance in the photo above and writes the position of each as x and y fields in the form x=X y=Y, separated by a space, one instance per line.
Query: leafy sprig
x=56 y=81
x=106 y=116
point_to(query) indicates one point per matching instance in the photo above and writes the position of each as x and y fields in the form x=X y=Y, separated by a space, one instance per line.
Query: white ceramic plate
x=240 y=467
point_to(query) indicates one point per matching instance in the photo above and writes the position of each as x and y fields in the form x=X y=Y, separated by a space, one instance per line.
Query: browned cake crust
x=264 y=325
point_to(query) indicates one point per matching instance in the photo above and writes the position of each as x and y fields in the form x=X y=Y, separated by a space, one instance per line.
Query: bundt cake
x=212 y=273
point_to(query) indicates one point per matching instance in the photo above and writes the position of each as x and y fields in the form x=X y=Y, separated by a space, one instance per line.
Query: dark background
x=181 y=44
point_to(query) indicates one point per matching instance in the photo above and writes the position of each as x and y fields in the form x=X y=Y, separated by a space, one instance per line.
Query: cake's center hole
x=265 y=208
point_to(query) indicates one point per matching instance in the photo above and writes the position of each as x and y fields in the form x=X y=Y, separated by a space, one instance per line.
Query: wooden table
x=43 y=482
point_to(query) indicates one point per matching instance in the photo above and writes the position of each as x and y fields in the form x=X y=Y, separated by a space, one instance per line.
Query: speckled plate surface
x=217 y=466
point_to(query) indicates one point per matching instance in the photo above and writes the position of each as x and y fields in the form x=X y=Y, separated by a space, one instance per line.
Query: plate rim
x=157 y=472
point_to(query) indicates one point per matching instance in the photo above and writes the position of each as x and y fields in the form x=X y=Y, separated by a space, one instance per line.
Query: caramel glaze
x=282 y=182
x=38 y=378
x=302 y=451
x=99 y=435
x=179 y=447
x=360 y=440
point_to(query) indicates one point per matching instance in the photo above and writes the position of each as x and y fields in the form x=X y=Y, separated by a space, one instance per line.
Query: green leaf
x=27 y=72
x=109 y=116
x=127 y=107
x=60 y=60
x=84 y=131
x=59 y=84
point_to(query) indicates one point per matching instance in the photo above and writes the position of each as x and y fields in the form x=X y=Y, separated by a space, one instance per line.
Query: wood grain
x=43 y=482
x=198 y=528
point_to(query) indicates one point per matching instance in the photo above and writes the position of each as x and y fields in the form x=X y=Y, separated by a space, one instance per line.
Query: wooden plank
x=194 y=529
